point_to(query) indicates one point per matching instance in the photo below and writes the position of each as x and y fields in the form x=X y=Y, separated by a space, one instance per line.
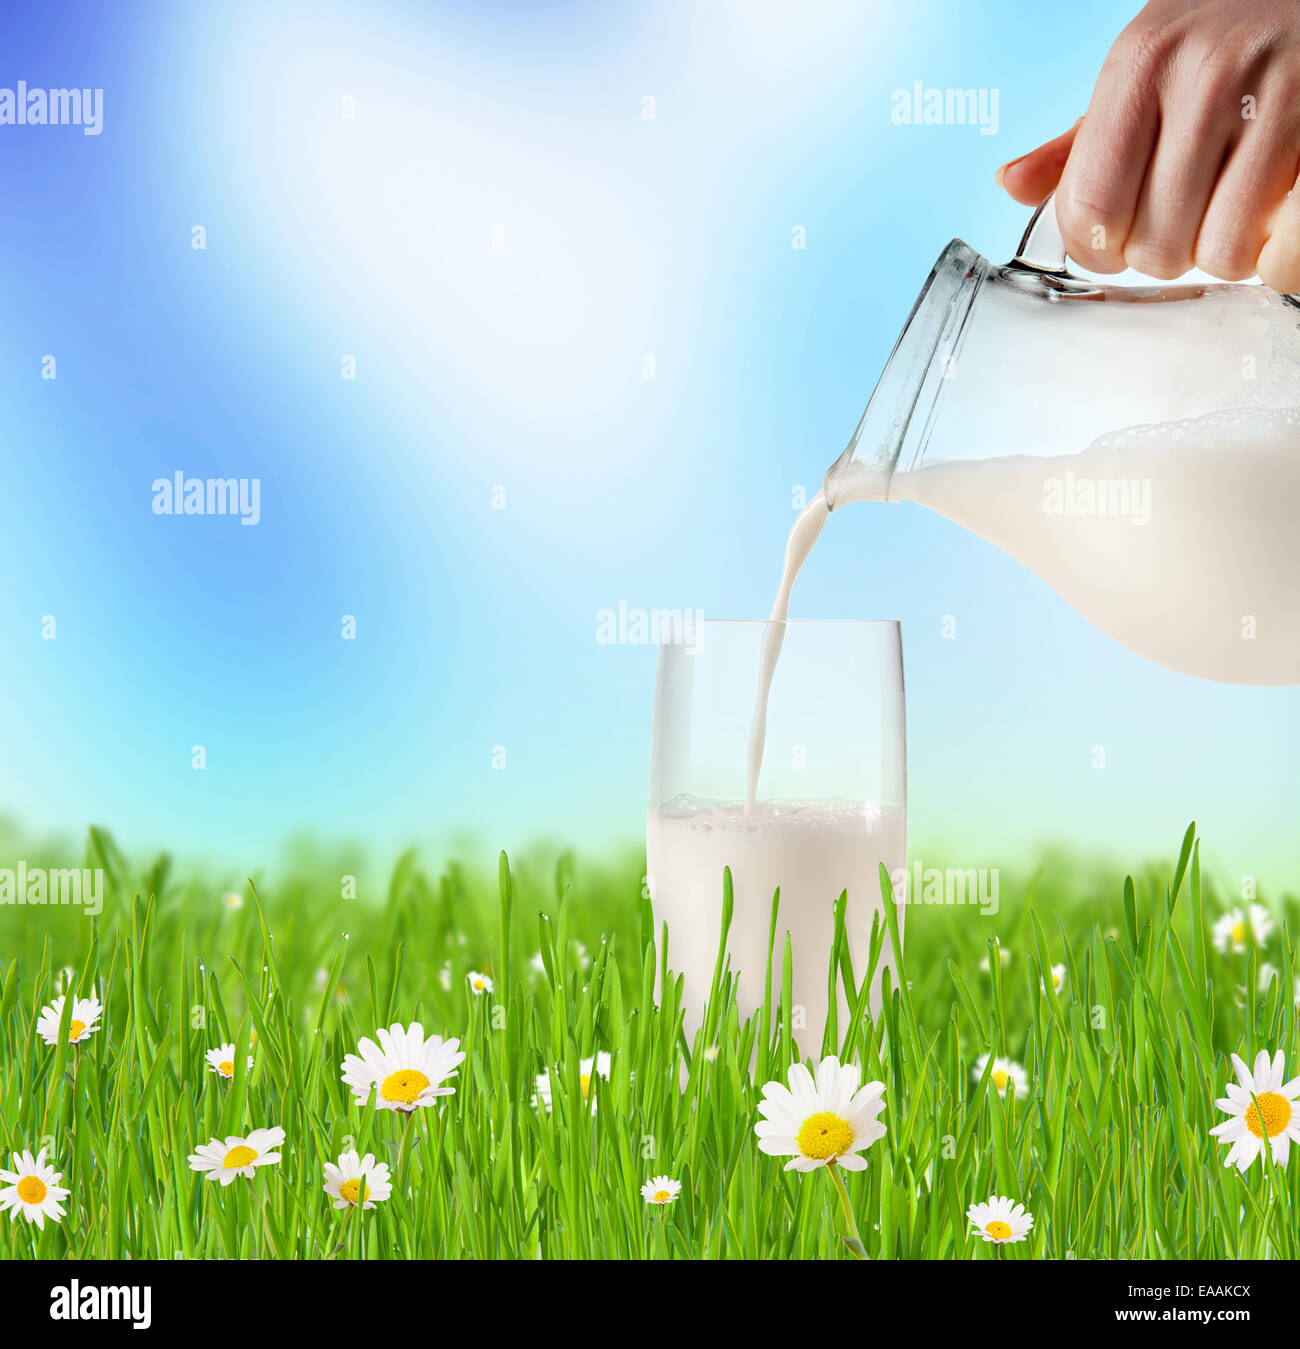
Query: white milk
x=802 y=537
x=811 y=849
x=1181 y=541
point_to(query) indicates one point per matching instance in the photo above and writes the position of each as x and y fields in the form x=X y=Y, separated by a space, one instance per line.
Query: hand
x=1189 y=150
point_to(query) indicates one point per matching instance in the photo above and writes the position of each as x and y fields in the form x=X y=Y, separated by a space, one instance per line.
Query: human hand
x=1189 y=150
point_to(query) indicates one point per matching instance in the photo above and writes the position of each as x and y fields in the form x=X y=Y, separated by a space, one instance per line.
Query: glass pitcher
x=1137 y=447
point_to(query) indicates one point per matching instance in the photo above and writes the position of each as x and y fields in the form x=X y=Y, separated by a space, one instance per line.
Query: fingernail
x=1002 y=172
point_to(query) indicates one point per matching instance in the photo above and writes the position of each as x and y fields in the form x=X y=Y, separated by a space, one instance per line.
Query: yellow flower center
x=31 y=1189
x=226 y=1069
x=998 y=1230
x=662 y=1196
x=350 y=1190
x=824 y=1135
x=1239 y=934
x=1276 y=1113
x=404 y=1085
x=239 y=1156
x=75 y=1028
x=999 y=1076
x=585 y=1080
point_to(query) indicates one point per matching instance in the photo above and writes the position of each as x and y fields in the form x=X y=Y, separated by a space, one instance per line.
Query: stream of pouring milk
x=802 y=537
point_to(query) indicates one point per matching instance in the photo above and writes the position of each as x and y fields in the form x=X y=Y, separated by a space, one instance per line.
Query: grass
x=1110 y=1150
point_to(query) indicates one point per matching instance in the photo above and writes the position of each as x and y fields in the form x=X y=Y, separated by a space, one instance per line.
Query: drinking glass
x=830 y=805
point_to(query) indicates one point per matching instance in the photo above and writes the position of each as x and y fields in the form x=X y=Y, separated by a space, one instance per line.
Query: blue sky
x=499 y=237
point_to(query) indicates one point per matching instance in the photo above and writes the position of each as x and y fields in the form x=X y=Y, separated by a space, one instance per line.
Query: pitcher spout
x=894 y=428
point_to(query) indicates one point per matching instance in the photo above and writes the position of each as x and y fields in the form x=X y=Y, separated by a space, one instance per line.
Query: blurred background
x=555 y=244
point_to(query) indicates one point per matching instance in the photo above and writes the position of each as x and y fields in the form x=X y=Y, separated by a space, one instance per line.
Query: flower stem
x=853 y=1241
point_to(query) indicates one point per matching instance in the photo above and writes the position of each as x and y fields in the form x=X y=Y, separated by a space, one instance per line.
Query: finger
x=1030 y=178
x=1253 y=183
x=1179 y=183
x=1279 y=259
x=1102 y=179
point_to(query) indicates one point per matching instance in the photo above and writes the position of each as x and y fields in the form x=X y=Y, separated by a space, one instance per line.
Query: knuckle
x=1228 y=259
x=1142 y=50
x=1285 y=279
x=1154 y=256
x=1090 y=215
x=1213 y=70
x=1279 y=267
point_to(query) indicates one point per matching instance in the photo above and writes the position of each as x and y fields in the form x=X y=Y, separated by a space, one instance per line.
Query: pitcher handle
x=1041 y=247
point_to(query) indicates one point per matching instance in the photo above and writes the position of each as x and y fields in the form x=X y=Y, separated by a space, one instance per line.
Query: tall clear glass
x=830 y=807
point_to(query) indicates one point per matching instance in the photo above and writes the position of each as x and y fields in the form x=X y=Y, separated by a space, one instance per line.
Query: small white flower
x=236 y=1156
x=661 y=1190
x=1236 y=929
x=480 y=983
x=997 y=1220
x=1006 y=1073
x=32 y=1189
x=587 y=1069
x=711 y=1054
x=232 y=899
x=85 y=1016
x=444 y=977
x=222 y=1060
x=538 y=963
x=1004 y=959
x=1059 y=978
x=405 y=1067
x=1276 y=1120
x=825 y=1121
x=344 y=1182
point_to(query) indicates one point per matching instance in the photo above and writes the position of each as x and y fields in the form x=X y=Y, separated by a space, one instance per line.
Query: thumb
x=1031 y=177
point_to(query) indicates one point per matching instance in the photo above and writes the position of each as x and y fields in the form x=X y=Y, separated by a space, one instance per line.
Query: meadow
x=1109 y=992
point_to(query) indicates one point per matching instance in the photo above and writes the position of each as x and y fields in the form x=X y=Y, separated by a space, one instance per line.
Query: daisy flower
x=1275 y=1120
x=405 y=1066
x=998 y=1221
x=222 y=1060
x=661 y=1190
x=444 y=977
x=237 y=1156
x=1006 y=1073
x=1234 y=929
x=85 y=1013
x=345 y=1180
x=232 y=900
x=1059 y=977
x=821 y=1122
x=480 y=983
x=1004 y=959
x=587 y=1069
x=32 y=1189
